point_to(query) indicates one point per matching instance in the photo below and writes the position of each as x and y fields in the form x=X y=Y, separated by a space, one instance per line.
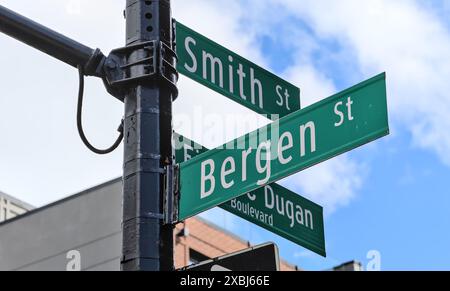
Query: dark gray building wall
x=89 y=222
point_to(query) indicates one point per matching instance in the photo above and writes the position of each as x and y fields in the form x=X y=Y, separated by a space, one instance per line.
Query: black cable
x=80 y=125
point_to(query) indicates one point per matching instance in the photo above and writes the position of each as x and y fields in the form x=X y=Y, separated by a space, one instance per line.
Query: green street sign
x=283 y=212
x=231 y=75
x=303 y=139
x=272 y=207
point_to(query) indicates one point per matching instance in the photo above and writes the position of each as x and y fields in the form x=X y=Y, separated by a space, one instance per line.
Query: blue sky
x=390 y=196
x=401 y=211
x=401 y=207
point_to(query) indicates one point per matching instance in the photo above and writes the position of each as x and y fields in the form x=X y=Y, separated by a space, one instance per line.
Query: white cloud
x=396 y=36
x=332 y=184
x=42 y=159
x=220 y=21
x=316 y=85
x=48 y=123
x=403 y=38
x=407 y=41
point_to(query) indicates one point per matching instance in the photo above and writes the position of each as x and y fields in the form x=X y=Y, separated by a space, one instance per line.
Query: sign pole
x=147 y=240
x=51 y=42
x=143 y=76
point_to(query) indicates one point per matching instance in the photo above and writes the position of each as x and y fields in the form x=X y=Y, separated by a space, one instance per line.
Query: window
x=196 y=257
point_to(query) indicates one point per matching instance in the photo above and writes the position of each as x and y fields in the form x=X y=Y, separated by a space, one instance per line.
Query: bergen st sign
x=322 y=131
x=231 y=75
x=272 y=207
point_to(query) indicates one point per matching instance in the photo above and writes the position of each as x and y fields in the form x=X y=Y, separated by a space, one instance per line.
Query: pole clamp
x=171 y=194
x=146 y=63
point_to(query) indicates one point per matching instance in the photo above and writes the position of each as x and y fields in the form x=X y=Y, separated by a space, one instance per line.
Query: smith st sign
x=231 y=75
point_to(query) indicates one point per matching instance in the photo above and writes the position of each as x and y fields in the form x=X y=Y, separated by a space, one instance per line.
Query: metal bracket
x=147 y=62
x=171 y=197
x=94 y=66
x=174 y=34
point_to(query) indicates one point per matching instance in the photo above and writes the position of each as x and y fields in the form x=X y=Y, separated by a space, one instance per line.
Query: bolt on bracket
x=147 y=62
x=171 y=194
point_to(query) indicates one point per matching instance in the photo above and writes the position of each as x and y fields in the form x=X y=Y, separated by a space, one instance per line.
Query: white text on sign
x=215 y=70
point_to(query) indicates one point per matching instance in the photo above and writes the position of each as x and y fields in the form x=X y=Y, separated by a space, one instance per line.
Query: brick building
x=197 y=240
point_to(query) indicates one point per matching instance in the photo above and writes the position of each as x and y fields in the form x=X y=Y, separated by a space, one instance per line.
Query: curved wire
x=80 y=125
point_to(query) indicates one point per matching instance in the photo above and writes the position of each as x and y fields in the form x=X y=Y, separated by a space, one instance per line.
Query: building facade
x=83 y=232
x=11 y=207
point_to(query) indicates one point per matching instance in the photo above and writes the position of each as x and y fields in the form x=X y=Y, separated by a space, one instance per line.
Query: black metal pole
x=147 y=242
x=49 y=41
x=143 y=75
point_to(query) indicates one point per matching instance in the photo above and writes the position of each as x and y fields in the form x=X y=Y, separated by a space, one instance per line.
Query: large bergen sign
x=272 y=207
x=322 y=131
